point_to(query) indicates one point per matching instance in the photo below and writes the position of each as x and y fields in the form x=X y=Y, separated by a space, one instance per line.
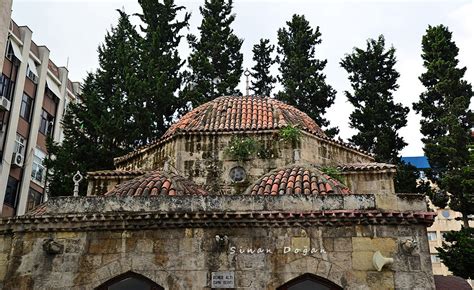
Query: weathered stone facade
x=113 y=235
x=172 y=213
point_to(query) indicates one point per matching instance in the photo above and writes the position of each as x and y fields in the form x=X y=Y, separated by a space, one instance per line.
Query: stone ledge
x=156 y=220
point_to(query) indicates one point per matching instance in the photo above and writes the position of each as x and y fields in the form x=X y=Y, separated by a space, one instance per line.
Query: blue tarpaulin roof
x=420 y=162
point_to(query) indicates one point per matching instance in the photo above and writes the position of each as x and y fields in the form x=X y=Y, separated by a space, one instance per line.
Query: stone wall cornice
x=204 y=203
x=158 y=220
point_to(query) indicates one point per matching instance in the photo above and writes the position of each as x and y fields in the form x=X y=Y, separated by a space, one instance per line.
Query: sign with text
x=222 y=280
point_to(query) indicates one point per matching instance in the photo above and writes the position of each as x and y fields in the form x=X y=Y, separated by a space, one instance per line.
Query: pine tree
x=304 y=84
x=117 y=80
x=84 y=146
x=264 y=81
x=457 y=252
x=160 y=67
x=376 y=117
x=101 y=126
x=215 y=60
x=446 y=120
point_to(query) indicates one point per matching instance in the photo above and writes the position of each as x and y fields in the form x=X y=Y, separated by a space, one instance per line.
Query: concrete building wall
x=445 y=221
x=5 y=16
x=48 y=91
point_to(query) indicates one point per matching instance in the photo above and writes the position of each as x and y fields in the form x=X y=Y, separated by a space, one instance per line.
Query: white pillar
x=63 y=72
x=5 y=18
x=14 y=113
x=34 y=128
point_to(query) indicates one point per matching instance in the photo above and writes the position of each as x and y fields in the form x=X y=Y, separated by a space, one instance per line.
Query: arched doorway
x=309 y=282
x=129 y=281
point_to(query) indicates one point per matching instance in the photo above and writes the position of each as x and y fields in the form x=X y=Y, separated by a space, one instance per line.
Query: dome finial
x=247 y=74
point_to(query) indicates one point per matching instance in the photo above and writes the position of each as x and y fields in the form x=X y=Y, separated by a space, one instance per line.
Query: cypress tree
x=304 y=84
x=376 y=116
x=446 y=125
x=215 y=60
x=446 y=119
x=160 y=67
x=264 y=81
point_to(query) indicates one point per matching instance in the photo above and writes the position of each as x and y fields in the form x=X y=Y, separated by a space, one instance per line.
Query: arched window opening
x=309 y=282
x=130 y=281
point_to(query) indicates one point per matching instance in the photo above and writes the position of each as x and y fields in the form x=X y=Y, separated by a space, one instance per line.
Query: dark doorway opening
x=129 y=281
x=309 y=282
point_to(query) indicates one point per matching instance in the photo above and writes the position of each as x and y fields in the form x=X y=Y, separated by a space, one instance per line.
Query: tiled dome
x=243 y=113
x=157 y=183
x=304 y=180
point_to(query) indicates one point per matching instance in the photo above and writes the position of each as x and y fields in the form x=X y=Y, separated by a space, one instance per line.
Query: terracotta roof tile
x=297 y=180
x=247 y=113
x=155 y=183
x=217 y=218
x=119 y=173
x=366 y=166
x=240 y=114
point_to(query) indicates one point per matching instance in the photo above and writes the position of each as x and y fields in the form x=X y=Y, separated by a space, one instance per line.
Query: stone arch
x=309 y=281
x=130 y=279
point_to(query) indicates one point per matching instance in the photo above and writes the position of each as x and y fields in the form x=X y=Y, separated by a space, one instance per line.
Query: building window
x=47 y=123
x=31 y=71
x=19 y=144
x=26 y=105
x=34 y=199
x=11 y=192
x=5 y=86
x=9 y=53
x=435 y=259
x=432 y=236
x=38 y=171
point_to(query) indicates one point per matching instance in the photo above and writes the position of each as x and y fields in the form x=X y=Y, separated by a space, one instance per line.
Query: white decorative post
x=247 y=74
x=76 y=178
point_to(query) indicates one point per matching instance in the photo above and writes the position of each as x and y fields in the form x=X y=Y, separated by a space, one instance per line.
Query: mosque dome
x=243 y=114
x=157 y=183
x=298 y=180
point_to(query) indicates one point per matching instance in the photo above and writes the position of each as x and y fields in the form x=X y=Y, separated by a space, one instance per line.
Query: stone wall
x=184 y=258
x=203 y=158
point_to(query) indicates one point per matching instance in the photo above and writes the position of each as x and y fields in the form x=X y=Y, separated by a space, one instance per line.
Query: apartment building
x=34 y=93
x=445 y=221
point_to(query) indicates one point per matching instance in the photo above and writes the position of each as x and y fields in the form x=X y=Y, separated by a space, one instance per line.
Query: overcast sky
x=73 y=30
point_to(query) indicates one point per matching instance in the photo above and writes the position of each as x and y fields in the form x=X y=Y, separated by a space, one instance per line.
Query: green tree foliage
x=446 y=121
x=160 y=67
x=215 y=60
x=128 y=101
x=376 y=117
x=304 y=84
x=457 y=252
x=406 y=180
x=264 y=81
x=85 y=146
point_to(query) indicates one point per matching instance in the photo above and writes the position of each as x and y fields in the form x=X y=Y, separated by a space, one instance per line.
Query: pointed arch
x=129 y=280
x=309 y=282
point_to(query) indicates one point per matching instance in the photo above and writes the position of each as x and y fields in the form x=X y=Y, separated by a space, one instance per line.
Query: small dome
x=157 y=183
x=243 y=113
x=296 y=179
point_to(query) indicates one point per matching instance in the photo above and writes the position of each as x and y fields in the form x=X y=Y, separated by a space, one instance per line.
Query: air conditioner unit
x=17 y=159
x=4 y=104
